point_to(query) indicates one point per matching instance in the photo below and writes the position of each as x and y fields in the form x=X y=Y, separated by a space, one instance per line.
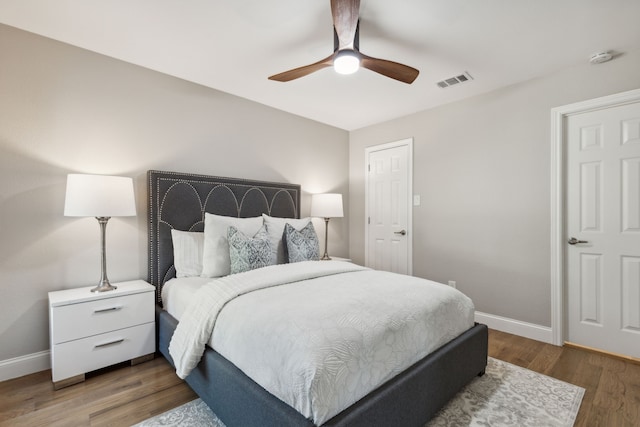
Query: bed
x=179 y=201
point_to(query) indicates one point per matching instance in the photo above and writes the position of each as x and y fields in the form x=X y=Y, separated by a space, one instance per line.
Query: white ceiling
x=234 y=45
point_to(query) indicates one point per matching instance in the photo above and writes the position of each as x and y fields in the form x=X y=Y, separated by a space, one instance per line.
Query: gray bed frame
x=179 y=200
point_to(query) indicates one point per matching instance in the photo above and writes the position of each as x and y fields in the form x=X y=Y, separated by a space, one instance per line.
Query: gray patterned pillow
x=301 y=245
x=248 y=253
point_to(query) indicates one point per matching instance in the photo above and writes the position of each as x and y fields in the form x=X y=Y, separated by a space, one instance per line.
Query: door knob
x=573 y=241
x=401 y=232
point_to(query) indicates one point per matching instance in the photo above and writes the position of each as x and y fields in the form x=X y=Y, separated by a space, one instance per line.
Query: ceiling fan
x=346 y=57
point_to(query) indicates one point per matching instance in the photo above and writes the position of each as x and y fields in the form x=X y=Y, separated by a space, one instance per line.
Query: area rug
x=507 y=395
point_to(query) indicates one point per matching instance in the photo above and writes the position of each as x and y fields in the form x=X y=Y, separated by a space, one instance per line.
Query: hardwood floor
x=612 y=386
x=124 y=395
x=118 y=396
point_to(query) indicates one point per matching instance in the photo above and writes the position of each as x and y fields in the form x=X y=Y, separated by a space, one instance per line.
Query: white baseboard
x=25 y=365
x=516 y=327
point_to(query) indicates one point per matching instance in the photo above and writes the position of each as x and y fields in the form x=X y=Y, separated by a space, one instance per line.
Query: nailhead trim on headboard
x=180 y=200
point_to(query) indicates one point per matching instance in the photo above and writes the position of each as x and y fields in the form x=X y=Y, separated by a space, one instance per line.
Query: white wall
x=482 y=168
x=64 y=110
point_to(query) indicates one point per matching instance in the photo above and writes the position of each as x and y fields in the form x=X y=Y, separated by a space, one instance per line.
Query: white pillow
x=187 y=252
x=275 y=228
x=215 y=260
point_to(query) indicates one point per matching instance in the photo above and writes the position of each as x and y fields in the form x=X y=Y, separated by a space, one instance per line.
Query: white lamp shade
x=99 y=196
x=328 y=205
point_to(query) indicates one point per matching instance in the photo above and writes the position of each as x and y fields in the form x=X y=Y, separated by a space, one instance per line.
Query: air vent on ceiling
x=464 y=77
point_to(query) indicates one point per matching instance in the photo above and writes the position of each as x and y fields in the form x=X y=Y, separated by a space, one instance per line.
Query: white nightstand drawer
x=89 y=318
x=77 y=357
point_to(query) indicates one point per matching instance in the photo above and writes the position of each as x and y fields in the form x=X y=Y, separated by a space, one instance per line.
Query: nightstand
x=92 y=330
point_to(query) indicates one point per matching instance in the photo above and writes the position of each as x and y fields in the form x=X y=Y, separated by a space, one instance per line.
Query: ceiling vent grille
x=451 y=81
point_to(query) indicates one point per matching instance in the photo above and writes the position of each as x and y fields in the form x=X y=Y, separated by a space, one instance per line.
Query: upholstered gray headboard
x=180 y=200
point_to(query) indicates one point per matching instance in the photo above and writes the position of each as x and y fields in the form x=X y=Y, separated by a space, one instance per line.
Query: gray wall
x=64 y=110
x=482 y=168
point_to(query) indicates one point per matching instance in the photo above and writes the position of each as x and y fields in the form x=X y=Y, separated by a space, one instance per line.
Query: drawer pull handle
x=104 y=310
x=109 y=343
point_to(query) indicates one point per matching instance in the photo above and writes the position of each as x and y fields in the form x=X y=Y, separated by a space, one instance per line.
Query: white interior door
x=388 y=201
x=603 y=215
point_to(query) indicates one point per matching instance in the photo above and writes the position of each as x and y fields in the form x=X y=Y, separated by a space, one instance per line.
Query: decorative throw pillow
x=301 y=245
x=187 y=252
x=248 y=253
x=215 y=260
x=275 y=228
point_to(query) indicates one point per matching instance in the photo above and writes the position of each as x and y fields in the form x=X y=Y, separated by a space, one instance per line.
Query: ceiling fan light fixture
x=346 y=62
x=346 y=57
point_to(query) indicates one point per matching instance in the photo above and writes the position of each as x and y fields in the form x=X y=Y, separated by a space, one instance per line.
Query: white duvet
x=319 y=335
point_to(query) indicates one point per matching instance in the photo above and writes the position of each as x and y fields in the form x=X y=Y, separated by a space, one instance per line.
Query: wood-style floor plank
x=612 y=385
x=118 y=396
x=124 y=395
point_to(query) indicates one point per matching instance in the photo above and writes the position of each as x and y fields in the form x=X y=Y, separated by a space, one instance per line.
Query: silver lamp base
x=326 y=256
x=104 y=281
x=104 y=287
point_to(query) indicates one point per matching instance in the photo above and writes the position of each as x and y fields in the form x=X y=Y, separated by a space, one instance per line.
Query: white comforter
x=319 y=335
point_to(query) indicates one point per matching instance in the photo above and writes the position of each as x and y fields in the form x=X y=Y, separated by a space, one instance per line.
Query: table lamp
x=328 y=205
x=102 y=197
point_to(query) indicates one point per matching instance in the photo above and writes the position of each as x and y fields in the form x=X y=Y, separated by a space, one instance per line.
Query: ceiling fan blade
x=303 y=71
x=391 y=69
x=345 y=21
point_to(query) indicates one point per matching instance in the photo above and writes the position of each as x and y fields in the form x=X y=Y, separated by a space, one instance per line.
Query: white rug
x=506 y=395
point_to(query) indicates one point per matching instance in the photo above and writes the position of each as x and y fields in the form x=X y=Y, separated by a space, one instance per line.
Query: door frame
x=367 y=152
x=558 y=200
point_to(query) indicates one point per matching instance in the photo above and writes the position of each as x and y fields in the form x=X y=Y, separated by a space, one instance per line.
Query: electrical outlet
x=452 y=283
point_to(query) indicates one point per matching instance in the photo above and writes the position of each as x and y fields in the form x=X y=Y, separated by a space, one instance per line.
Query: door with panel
x=603 y=229
x=388 y=207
